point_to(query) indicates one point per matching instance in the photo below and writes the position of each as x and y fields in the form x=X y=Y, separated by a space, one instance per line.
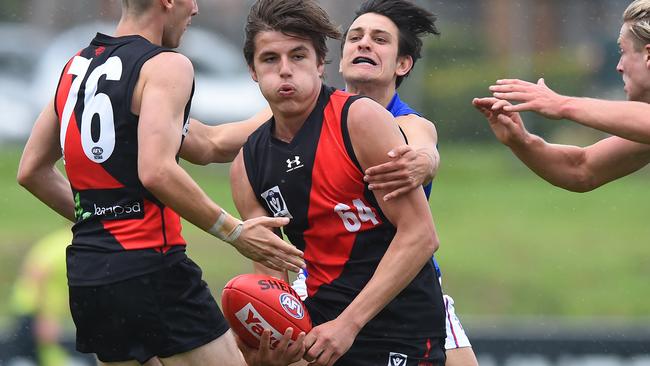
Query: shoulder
x=365 y=113
x=168 y=65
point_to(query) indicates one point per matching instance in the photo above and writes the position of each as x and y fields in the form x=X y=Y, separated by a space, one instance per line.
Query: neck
x=145 y=25
x=380 y=94
x=288 y=123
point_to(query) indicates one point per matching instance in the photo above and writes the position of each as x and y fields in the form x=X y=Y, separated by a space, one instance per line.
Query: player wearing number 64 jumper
x=119 y=118
x=374 y=297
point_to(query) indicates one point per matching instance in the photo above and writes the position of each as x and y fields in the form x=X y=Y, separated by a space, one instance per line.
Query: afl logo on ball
x=292 y=306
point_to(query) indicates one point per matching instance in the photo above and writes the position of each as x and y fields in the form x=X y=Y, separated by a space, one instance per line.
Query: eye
x=298 y=57
x=269 y=59
x=354 y=38
x=380 y=40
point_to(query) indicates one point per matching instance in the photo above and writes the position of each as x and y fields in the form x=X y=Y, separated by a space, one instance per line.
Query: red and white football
x=254 y=302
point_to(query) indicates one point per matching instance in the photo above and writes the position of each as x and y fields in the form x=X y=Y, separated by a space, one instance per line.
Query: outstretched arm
x=411 y=165
x=625 y=119
x=219 y=144
x=578 y=169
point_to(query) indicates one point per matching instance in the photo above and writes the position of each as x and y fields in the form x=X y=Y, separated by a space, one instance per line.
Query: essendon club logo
x=292 y=306
x=275 y=202
x=251 y=319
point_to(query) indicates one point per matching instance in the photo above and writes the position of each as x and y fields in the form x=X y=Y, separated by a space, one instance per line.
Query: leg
x=461 y=357
x=222 y=351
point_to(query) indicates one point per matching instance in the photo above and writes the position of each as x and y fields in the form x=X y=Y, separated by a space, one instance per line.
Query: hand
x=258 y=242
x=406 y=171
x=282 y=355
x=507 y=126
x=537 y=98
x=328 y=342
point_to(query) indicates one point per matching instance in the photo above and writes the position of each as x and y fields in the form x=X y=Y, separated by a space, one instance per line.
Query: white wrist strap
x=217 y=229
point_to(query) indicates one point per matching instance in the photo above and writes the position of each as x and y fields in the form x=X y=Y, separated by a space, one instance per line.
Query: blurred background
x=540 y=276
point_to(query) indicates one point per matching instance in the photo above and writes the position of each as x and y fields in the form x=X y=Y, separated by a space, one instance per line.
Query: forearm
x=561 y=165
x=221 y=143
x=629 y=120
x=169 y=183
x=52 y=188
x=409 y=251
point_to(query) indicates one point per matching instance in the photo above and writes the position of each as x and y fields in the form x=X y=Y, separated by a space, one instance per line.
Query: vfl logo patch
x=397 y=359
x=275 y=202
x=291 y=305
x=251 y=319
x=293 y=164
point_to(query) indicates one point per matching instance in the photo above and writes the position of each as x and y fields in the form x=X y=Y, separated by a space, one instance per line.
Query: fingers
x=512 y=82
x=516 y=96
x=274 y=221
x=399 y=151
x=396 y=193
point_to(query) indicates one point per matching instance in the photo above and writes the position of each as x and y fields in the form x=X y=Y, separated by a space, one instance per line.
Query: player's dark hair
x=412 y=21
x=136 y=6
x=297 y=18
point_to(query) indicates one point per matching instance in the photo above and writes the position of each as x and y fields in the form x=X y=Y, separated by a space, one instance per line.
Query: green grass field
x=511 y=243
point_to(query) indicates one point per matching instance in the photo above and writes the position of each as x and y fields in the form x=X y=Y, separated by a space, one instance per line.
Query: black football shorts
x=162 y=313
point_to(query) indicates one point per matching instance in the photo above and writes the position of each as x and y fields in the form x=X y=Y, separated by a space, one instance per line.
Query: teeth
x=359 y=60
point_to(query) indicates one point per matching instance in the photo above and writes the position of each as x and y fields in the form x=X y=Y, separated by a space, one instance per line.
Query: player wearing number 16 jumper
x=118 y=118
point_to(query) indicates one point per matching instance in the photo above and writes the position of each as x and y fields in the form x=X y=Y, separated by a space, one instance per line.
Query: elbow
x=26 y=176
x=152 y=176
x=581 y=182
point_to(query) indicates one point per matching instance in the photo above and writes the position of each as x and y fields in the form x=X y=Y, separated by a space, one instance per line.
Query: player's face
x=287 y=70
x=634 y=66
x=180 y=18
x=370 y=52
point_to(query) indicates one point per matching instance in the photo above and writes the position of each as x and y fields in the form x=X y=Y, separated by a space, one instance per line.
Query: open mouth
x=364 y=60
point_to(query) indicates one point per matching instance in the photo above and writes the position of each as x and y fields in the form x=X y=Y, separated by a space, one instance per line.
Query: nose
x=285 y=67
x=619 y=66
x=364 y=43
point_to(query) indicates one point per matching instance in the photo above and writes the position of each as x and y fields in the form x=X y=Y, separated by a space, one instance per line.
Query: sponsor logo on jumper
x=292 y=306
x=397 y=359
x=275 y=202
x=251 y=319
x=117 y=210
x=293 y=164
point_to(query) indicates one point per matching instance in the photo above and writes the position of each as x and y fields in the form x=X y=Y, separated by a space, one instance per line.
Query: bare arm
x=164 y=95
x=411 y=165
x=219 y=144
x=629 y=120
x=373 y=135
x=570 y=167
x=37 y=171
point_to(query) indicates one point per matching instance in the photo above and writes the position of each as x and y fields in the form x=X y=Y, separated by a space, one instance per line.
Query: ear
x=167 y=4
x=341 y=66
x=404 y=65
x=321 y=69
x=251 y=70
x=646 y=54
